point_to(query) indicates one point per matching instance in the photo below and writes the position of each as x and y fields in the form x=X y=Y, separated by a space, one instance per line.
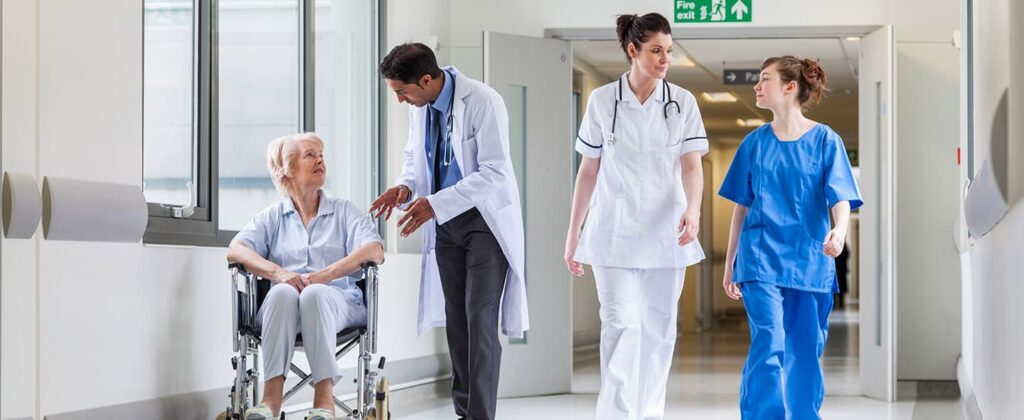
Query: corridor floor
x=704 y=384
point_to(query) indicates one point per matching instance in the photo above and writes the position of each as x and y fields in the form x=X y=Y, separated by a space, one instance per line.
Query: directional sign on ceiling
x=740 y=76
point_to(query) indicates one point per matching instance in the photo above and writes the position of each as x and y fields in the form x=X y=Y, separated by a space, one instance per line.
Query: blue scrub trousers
x=782 y=378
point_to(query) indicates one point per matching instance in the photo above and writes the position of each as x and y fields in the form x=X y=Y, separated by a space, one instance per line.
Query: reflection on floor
x=704 y=383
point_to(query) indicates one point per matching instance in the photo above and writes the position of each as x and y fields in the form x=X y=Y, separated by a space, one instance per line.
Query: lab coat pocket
x=600 y=233
x=674 y=146
x=500 y=199
x=469 y=154
x=609 y=144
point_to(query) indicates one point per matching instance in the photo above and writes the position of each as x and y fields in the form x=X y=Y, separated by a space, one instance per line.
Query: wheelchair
x=371 y=387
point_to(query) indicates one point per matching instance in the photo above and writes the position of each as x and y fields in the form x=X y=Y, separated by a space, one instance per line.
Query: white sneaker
x=259 y=412
x=319 y=414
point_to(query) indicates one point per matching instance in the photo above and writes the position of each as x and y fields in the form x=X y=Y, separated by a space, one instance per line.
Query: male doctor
x=457 y=171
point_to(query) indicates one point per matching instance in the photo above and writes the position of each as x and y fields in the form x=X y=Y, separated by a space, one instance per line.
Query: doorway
x=712 y=328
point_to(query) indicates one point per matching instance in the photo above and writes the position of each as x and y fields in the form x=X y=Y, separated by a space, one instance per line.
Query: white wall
x=531 y=17
x=915 y=34
x=18 y=279
x=116 y=322
x=995 y=368
x=998 y=338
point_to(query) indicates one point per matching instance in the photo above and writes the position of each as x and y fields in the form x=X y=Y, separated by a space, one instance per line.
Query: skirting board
x=421 y=371
x=914 y=390
x=968 y=400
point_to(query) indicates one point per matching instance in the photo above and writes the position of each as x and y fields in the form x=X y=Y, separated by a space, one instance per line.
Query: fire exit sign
x=706 y=11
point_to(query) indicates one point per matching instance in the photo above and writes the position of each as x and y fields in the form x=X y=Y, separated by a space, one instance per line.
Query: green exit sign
x=705 y=11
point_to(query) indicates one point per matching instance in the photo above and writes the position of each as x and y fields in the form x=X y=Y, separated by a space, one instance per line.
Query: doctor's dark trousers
x=472 y=268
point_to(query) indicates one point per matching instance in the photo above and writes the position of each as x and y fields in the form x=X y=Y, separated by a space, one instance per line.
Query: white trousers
x=638 y=335
x=319 y=312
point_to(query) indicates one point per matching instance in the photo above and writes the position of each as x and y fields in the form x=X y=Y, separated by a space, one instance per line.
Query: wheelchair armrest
x=371 y=295
x=239 y=266
x=244 y=302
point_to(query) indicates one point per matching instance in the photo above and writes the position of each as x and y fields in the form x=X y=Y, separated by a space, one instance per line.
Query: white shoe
x=319 y=414
x=259 y=412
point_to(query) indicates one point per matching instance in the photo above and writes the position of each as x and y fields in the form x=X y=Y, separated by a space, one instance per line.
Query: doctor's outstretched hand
x=419 y=213
x=689 y=226
x=393 y=197
x=571 y=242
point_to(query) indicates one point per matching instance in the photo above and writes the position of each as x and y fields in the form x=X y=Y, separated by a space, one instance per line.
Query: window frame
x=202 y=228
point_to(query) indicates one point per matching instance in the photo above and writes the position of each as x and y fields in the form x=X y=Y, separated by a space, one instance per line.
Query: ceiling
x=839 y=58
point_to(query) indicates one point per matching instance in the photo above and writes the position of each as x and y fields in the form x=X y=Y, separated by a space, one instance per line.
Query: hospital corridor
x=484 y=209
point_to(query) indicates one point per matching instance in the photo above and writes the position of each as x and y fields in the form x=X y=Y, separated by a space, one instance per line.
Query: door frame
x=799 y=32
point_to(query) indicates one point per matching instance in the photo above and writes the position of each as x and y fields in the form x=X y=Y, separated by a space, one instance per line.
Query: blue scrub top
x=789 y=188
x=339 y=229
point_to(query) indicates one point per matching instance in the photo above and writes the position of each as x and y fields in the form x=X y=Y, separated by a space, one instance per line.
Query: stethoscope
x=665 y=93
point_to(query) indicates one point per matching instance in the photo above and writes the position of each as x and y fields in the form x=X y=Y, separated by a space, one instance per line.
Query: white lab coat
x=638 y=198
x=481 y=146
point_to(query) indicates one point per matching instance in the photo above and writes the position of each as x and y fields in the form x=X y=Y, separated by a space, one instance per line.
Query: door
x=877 y=237
x=534 y=77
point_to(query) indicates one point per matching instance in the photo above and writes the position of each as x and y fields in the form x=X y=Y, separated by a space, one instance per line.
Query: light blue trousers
x=783 y=379
x=319 y=312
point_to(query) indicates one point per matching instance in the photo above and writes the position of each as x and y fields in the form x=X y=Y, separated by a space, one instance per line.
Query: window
x=169 y=88
x=222 y=78
x=258 y=100
x=346 y=96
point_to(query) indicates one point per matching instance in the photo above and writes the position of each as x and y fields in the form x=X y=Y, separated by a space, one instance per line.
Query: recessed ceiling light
x=853 y=38
x=718 y=97
x=683 y=60
x=750 y=122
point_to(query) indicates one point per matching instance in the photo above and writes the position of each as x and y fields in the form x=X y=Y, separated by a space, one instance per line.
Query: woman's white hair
x=280 y=156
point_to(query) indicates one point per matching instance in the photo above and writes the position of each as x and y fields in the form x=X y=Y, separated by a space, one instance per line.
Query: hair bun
x=624 y=25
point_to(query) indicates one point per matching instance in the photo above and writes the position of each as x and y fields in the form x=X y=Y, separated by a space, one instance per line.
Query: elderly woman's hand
x=297 y=281
x=319 y=277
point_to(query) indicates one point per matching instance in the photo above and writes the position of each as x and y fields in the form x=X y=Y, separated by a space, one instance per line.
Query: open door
x=877 y=231
x=534 y=77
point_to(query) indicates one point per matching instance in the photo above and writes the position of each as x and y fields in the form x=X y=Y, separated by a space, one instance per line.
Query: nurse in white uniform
x=639 y=187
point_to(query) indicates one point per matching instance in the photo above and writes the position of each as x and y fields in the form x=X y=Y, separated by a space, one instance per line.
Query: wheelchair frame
x=246 y=298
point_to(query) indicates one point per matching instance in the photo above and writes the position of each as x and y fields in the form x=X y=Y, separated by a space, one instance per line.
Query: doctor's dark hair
x=633 y=29
x=809 y=75
x=409 y=62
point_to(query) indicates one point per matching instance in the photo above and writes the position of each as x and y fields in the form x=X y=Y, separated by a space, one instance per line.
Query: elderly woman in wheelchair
x=310 y=246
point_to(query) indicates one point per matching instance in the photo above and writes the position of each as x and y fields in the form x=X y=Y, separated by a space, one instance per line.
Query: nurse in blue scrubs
x=786 y=179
